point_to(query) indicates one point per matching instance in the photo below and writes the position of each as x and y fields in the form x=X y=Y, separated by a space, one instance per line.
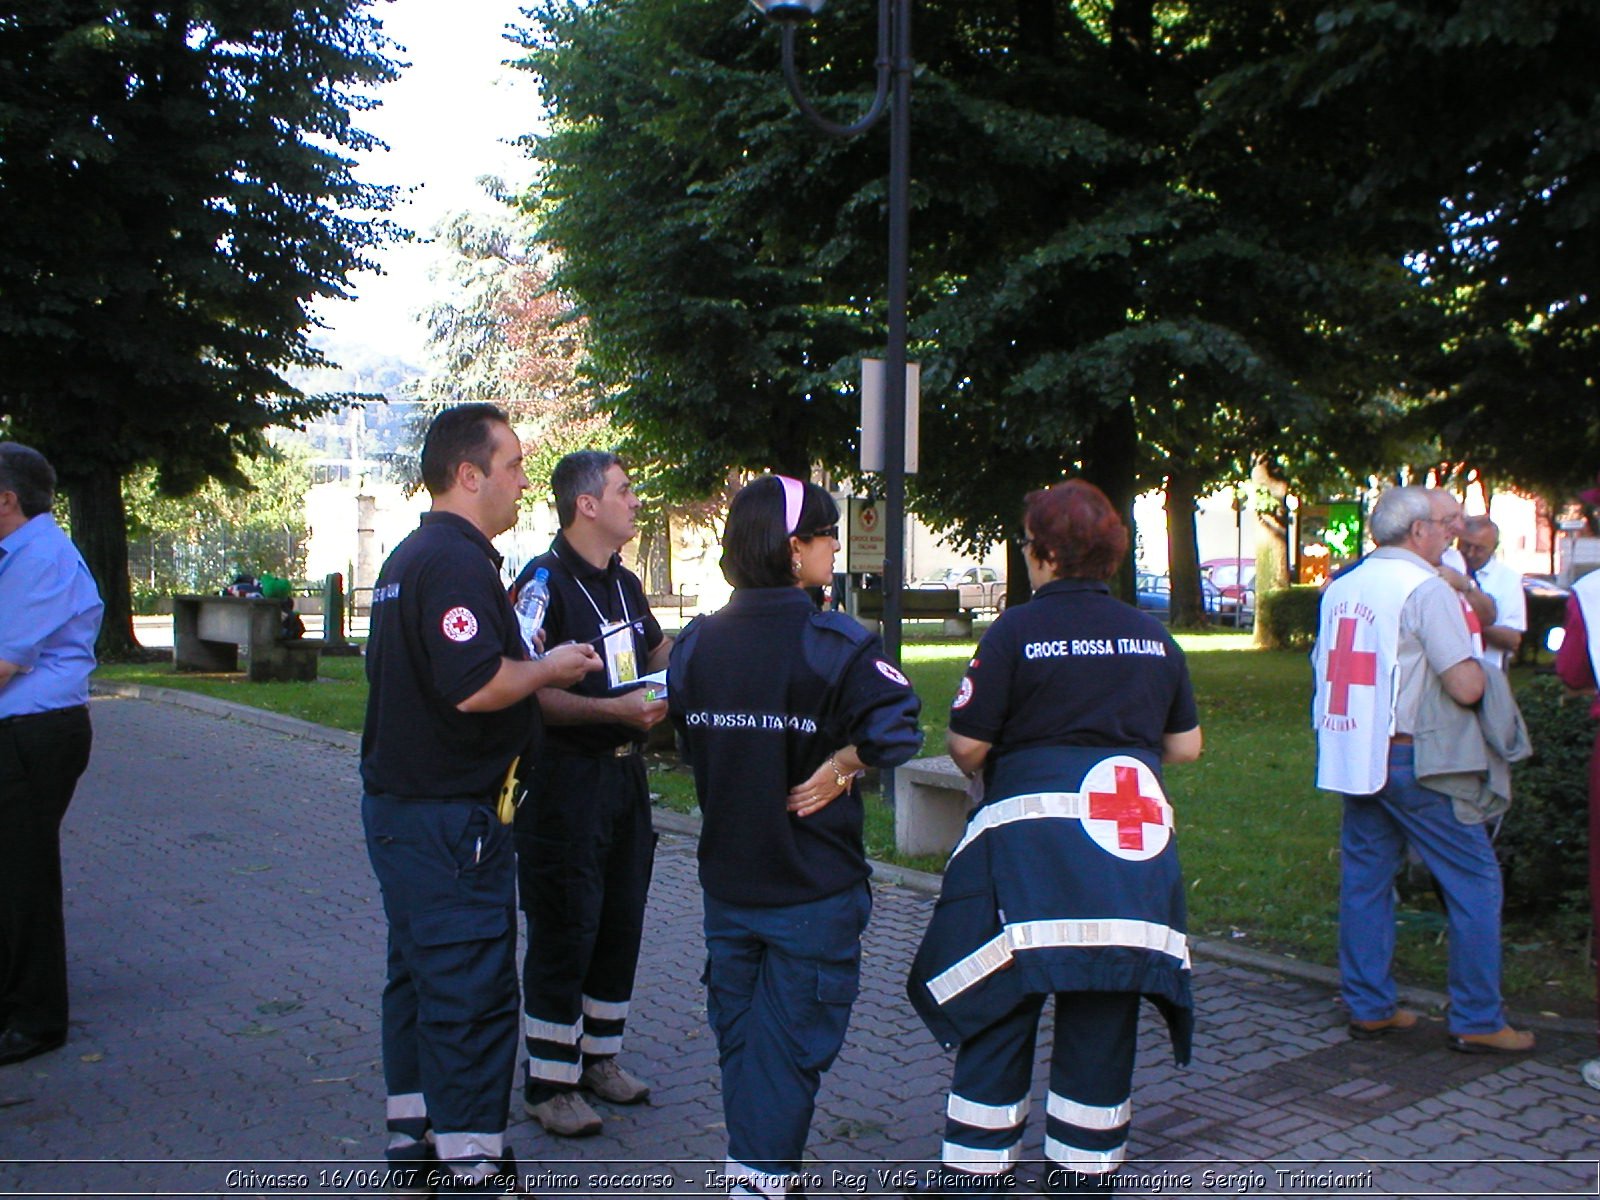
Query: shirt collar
x=1064 y=586
x=1404 y=555
x=474 y=534
x=580 y=566
x=29 y=531
x=773 y=598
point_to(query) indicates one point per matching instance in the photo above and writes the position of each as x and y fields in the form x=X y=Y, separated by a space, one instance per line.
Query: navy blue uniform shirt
x=580 y=594
x=762 y=691
x=441 y=624
x=1074 y=666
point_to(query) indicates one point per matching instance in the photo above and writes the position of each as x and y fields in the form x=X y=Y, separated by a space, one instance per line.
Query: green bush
x=1286 y=618
x=1544 y=842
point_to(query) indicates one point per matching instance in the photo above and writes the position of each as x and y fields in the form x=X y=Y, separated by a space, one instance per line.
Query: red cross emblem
x=1127 y=807
x=1348 y=668
x=459 y=625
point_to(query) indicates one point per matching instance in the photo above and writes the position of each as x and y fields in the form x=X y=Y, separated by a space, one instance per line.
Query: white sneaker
x=1591 y=1073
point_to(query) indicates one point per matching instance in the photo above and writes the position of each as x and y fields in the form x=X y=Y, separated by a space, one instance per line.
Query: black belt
x=625 y=750
x=25 y=718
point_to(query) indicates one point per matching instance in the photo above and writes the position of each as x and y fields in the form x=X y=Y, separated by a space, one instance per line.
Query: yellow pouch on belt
x=506 y=806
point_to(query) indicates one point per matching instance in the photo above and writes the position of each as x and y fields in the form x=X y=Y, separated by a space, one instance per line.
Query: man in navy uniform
x=49 y=619
x=585 y=845
x=449 y=712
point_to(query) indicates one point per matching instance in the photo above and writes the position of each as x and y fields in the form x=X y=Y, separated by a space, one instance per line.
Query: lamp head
x=788 y=12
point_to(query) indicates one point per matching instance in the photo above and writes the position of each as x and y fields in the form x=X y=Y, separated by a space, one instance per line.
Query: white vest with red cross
x=1357 y=667
x=1587 y=591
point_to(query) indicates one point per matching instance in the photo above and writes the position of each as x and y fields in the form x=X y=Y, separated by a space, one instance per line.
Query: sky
x=446 y=120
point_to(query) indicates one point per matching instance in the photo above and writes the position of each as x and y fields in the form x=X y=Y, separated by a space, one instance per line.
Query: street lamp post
x=894 y=94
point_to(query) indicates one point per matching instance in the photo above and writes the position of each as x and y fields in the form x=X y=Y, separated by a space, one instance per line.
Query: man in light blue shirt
x=49 y=619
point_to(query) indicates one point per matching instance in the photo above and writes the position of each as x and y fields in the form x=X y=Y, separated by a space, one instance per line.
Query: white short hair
x=1397 y=510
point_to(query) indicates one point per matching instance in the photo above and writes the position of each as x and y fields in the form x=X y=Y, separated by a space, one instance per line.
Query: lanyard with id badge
x=616 y=642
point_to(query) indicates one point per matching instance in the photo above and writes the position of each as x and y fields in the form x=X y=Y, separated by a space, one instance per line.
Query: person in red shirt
x=1576 y=665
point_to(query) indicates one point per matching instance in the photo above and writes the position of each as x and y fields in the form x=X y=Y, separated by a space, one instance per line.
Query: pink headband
x=794 y=494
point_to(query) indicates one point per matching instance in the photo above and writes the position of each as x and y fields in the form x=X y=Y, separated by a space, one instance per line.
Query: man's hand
x=569 y=663
x=638 y=709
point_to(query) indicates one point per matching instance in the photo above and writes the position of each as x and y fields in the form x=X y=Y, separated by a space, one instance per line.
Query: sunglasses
x=832 y=531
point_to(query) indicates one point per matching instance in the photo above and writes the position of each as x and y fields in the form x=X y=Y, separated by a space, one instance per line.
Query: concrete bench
x=208 y=632
x=930 y=806
x=920 y=604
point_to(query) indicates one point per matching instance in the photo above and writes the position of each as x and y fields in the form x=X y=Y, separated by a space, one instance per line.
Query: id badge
x=622 y=664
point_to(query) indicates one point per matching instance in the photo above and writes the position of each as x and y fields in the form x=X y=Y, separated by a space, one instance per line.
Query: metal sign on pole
x=873 y=415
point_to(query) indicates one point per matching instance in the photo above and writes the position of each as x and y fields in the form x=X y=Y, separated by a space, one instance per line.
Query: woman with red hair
x=1066 y=881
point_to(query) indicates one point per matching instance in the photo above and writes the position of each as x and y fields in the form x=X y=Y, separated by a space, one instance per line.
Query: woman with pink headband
x=780 y=708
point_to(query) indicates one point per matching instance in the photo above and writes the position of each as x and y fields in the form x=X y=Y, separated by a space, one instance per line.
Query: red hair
x=1075 y=530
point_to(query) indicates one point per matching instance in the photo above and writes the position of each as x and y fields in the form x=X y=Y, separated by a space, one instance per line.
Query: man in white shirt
x=1477 y=545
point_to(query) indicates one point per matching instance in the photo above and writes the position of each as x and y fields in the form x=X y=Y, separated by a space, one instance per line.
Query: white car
x=980 y=587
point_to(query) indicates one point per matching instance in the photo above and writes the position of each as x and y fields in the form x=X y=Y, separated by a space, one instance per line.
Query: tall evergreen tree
x=176 y=188
x=1105 y=280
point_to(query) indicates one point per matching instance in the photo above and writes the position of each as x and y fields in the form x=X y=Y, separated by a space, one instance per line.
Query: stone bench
x=208 y=632
x=930 y=806
x=919 y=603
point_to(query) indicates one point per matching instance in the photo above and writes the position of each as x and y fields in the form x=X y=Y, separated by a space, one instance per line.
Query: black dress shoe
x=16 y=1046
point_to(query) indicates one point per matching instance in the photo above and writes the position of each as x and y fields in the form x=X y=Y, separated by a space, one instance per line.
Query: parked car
x=1153 y=594
x=980 y=587
x=1235 y=581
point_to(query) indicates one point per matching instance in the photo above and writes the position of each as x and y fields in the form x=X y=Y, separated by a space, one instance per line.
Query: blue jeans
x=1376 y=830
x=779 y=986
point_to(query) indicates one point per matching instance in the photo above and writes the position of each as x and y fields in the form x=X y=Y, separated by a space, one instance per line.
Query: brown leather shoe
x=1506 y=1041
x=1401 y=1020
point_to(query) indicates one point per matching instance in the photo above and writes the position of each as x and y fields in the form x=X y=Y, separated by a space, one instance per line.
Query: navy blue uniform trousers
x=1088 y=1110
x=447 y=870
x=585 y=851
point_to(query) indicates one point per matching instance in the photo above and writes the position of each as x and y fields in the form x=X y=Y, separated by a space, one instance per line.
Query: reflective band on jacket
x=986 y=1116
x=405 y=1105
x=1033 y=806
x=997 y=952
x=1089 y=1116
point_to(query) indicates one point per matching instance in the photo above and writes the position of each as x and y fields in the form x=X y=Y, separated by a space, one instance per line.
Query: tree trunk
x=1110 y=458
x=1018 y=589
x=1183 y=553
x=100 y=529
x=1269 y=492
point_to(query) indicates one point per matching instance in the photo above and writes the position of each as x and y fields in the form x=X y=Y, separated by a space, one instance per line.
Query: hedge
x=1544 y=842
x=1286 y=618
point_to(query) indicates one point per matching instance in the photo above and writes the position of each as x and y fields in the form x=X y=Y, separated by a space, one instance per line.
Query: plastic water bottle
x=532 y=602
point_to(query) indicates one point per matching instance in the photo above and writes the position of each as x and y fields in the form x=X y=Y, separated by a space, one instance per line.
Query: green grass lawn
x=1259 y=842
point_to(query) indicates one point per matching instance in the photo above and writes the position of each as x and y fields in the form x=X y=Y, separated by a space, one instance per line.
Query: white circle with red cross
x=1126 y=812
x=459 y=625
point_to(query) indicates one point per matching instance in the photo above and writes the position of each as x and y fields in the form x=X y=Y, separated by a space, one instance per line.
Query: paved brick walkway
x=227 y=955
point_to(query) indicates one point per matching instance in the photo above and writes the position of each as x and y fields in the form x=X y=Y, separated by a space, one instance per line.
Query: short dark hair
x=581 y=473
x=28 y=473
x=755 y=544
x=1075 y=530
x=461 y=434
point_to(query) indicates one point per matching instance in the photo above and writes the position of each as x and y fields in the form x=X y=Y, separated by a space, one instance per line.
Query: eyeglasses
x=832 y=531
x=1022 y=543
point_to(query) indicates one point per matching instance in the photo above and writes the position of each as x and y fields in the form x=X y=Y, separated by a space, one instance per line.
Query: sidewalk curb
x=923 y=882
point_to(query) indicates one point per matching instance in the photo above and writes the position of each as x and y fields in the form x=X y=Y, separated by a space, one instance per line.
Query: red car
x=1235 y=581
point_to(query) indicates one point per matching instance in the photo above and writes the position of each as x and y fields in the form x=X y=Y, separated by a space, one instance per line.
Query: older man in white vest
x=1386 y=627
